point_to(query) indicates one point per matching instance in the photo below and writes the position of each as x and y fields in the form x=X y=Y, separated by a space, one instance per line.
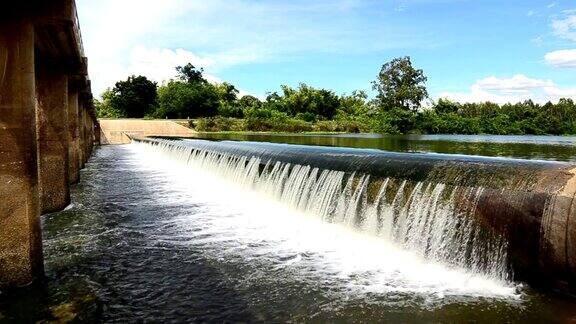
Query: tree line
x=396 y=109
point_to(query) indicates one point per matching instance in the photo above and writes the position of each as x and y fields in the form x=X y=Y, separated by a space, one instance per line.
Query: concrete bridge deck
x=48 y=125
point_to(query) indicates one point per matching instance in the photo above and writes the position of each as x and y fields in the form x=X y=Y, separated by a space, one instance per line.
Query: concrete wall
x=113 y=131
x=20 y=243
x=73 y=137
x=53 y=141
x=45 y=103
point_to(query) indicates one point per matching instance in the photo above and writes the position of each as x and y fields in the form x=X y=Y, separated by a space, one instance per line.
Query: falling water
x=424 y=217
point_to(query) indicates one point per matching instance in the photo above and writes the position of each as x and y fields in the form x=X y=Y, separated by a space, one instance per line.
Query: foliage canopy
x=399 y=85
x=396 y=109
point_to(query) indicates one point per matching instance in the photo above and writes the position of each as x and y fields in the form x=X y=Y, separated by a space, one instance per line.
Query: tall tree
x=399 y=85
x=191 y=95
x=249 y=101
x=135 y=97
x=182 y=100
x=104 y=107
x=189 y=73
x=227 y=92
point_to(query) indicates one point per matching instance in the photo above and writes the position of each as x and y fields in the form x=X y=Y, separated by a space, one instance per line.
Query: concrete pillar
x=73 y=137
x=88 y=137
x=86 y=141
x=53 y=137
x=81 y=136
x=92 y=139
x=97 y=132
x=20 y=235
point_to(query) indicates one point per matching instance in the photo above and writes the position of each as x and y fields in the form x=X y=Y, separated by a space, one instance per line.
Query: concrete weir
x=528 y=205
x=47 y=126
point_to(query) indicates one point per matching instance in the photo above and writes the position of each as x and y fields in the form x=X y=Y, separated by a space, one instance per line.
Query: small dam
x=504 y=218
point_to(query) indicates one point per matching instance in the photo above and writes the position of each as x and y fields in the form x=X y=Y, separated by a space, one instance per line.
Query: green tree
x=353 y=105
x=104 y=107
x=399 y=85
x=445 y=106
x=190 y=74
x=178 y=99
x=227 y=92
x=304 y=101
x=135 y=97
x=249 y=101
x=190 y=96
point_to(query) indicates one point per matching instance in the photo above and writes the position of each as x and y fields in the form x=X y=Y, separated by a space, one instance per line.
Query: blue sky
x=471 y=50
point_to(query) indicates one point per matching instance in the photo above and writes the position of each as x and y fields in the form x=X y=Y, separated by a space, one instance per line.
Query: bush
x=277 y=125
x=229 y=110
x=218 y=124
x=307 y=116
x=338 y=126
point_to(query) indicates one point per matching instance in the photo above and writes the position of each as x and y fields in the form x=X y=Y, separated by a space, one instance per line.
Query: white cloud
x=562 y=58
x=112 y=29
x=517 y=84
x=233 y=32
x=159 y=64
x=557 y=93
x=566 y=27
x=538 y=40
x=156 y=64
x=515 y=89
x=115 y=44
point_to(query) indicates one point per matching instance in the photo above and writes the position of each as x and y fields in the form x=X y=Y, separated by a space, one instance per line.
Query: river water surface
x=553 y=148
x=150 y=239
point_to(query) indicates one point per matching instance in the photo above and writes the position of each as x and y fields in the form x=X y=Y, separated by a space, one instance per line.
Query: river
x=148 y=238
x=553 y=148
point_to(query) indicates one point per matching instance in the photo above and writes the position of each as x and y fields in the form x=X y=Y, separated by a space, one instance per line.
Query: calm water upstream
x=554 y=148
x=148 y=238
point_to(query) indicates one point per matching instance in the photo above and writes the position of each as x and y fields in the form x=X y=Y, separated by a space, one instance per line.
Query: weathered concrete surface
x=42 y=70
x=89 y=136
x=20 y=238
x=73 y=138
x=558 y=241
x=113 y=131
x=53 y=140
x=82 y=136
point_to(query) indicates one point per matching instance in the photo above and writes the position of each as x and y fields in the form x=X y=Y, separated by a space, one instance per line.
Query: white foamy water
x=319 y=225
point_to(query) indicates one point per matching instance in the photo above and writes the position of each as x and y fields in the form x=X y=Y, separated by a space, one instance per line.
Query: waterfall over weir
x=493 y=217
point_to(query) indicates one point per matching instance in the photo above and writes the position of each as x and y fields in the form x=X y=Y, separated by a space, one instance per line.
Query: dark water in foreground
x=149 y=240
x=554 y=148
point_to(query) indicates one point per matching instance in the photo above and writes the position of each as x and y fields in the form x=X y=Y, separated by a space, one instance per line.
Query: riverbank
x=445 y=118
x=290 y=125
